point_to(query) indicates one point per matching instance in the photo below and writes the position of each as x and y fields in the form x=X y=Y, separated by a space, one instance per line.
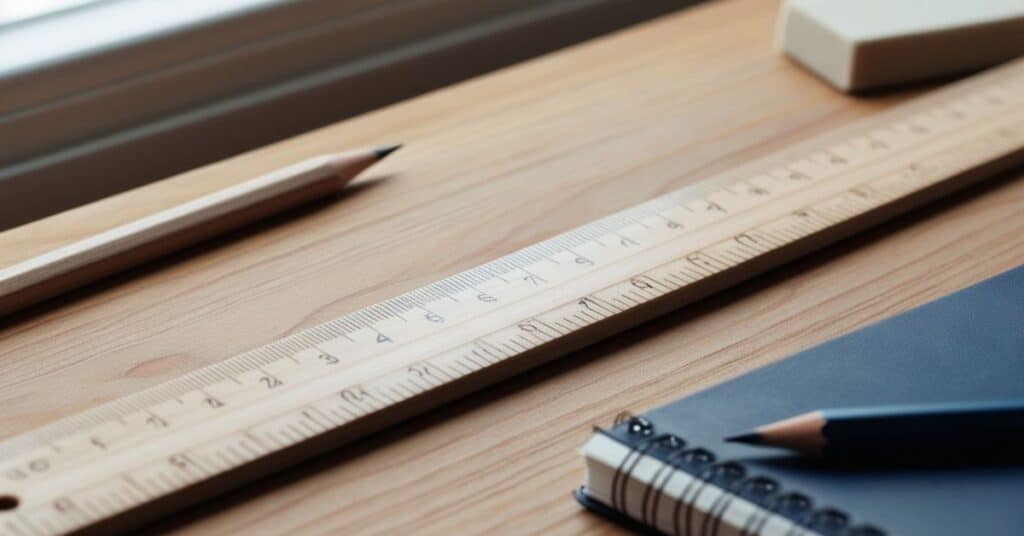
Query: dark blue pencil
x=899 y=430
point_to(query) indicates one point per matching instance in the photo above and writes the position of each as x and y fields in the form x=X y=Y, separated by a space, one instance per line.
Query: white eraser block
x=865 y=44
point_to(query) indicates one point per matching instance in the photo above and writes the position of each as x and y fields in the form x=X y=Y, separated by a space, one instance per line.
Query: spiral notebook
x=669 y=470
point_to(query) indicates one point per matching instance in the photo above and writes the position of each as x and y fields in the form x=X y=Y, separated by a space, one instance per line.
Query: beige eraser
x=865 y=44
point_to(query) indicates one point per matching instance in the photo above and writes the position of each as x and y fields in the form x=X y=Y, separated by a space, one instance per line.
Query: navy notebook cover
x=966 y=346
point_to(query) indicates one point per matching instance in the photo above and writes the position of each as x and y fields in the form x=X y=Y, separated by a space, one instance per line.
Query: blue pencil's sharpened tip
x=752 y=438
x=384 y=151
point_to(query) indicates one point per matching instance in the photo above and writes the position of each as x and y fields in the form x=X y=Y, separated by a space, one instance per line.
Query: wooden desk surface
x=490 y=166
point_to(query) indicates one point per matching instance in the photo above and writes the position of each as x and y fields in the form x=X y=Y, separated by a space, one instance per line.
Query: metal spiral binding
x=729 y=476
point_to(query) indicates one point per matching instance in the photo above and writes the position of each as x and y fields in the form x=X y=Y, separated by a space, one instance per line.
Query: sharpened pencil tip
x=753 y=438
x=381 y=152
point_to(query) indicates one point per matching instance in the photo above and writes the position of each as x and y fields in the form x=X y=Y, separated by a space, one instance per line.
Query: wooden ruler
x=141 y=456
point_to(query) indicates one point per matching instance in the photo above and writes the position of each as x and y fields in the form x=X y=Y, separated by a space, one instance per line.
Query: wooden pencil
x=133 y=243
x=920 y=430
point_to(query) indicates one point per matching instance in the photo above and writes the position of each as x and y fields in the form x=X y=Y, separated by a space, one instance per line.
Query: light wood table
x=492 y=165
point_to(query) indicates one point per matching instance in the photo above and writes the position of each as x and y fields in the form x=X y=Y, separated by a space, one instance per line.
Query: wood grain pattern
x=493 y=165
x=141 y=457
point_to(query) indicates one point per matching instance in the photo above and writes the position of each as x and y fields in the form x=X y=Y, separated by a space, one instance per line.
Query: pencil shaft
x=158 y=234
x=899 y=430
x=946 y=427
